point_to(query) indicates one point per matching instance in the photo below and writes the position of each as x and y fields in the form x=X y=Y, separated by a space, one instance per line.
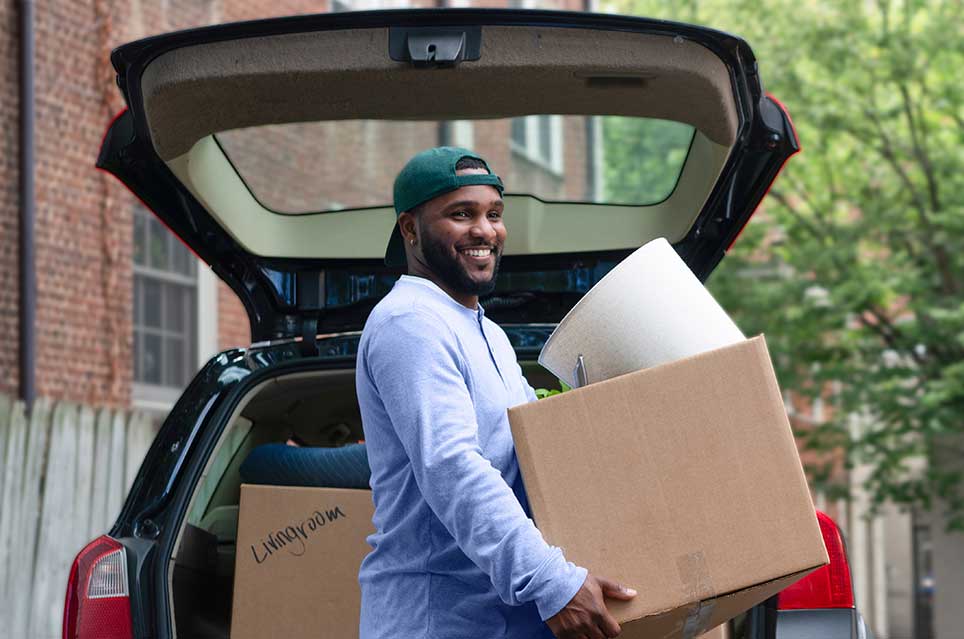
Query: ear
x=407 y=225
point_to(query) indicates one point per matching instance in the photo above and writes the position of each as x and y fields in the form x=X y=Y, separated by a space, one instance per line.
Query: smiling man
x=455 y=553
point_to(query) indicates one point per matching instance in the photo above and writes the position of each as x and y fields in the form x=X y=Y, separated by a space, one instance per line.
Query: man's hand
x=586 y=614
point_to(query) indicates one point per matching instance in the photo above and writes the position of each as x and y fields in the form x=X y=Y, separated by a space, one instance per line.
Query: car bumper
x=835 y=623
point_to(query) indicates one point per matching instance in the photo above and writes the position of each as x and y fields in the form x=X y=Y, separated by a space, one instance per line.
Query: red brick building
x=124 y=314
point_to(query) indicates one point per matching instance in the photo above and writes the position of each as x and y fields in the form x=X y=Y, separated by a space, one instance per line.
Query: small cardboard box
x=682 y=481
x=298 y=554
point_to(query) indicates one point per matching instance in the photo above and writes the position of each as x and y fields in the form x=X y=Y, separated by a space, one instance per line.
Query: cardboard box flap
x=692 y=621
x=728 y=606
x=711 y=451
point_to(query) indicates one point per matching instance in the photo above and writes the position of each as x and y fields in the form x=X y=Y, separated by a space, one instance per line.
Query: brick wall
x=83 y=219
x=233 y=327
x=9 y=198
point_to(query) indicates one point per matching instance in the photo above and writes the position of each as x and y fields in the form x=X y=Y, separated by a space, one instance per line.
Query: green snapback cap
x=428 y=175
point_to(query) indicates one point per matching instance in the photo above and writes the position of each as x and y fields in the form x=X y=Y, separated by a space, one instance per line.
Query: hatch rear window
x=350 y=164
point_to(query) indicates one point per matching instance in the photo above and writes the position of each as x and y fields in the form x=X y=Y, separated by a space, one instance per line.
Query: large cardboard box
x=296 y=568
x=682 y=481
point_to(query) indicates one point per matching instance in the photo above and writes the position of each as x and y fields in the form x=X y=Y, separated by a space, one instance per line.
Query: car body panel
x=836 y=623
x=157 y=503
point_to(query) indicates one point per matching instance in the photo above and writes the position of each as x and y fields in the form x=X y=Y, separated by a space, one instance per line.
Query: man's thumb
x=614 y=590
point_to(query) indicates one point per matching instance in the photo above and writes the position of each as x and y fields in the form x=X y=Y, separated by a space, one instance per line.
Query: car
x=268 y=148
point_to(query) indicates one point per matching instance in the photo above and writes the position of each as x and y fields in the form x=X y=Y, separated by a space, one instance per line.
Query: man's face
x=461 y=236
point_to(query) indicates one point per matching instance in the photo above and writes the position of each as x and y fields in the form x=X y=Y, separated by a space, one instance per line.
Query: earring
x=412 y=241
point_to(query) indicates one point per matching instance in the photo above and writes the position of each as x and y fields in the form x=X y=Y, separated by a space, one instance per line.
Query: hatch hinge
x=434 y=46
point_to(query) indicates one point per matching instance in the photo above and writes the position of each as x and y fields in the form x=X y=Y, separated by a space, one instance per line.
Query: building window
x=367 y=5
x=165 y=310
x=538 y=138
x=463 y=133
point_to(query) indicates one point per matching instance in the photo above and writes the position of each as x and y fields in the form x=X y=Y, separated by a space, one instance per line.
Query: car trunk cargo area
x=309 y=409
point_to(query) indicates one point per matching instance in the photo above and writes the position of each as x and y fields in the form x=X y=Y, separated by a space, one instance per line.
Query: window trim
x=169 y=277
x=530 y=150
x=340 y=6
x=153 y=398
x=160 y=398
x=463 y=133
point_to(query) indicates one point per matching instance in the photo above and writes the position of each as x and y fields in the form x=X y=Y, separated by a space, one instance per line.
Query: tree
x=854 y=268
x=655 y=149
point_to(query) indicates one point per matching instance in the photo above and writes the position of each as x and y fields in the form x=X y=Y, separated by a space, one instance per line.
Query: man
x=455 y=553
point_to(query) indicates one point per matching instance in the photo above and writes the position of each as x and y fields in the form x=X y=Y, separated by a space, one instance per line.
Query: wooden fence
x=65 y=472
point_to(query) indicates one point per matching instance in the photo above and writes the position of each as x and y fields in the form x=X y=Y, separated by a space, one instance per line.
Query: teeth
x=478 y=252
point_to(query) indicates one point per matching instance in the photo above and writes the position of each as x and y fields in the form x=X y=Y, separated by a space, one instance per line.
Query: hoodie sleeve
x=417 y=368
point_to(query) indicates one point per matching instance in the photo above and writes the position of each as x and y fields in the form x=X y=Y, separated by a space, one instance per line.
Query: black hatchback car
x=268 y=148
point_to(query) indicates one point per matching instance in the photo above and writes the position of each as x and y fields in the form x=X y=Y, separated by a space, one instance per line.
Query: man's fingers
x=614 y=590
x=609 y=626
x=596 y=633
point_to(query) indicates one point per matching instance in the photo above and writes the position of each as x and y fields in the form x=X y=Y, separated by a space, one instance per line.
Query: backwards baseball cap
x=428 y=175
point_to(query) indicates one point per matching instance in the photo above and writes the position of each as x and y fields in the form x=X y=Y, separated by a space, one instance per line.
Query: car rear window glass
x=349 y=164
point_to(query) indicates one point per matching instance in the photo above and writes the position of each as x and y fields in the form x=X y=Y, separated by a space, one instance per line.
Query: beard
x=448 y=268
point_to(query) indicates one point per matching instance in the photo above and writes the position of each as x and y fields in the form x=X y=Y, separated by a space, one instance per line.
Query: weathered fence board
x=116 y=486
x=38 y=431
x=83 y=515
x=140 y=434
x=56 y=535
x=10 y=508
x=65 y=472
x=100 y=510
x=5 y=414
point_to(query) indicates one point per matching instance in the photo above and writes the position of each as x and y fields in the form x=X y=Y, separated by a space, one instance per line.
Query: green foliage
x=542 y=393
x=854 y=267
x=655 y=149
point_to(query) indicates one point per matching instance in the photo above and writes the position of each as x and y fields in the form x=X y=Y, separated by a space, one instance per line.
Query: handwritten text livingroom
x=293 y=537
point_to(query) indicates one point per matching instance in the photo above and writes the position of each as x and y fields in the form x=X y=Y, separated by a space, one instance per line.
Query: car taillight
x=827 y=587
x=98 y=603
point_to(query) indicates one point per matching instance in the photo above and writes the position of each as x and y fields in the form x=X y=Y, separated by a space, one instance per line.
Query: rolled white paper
x=649 y=310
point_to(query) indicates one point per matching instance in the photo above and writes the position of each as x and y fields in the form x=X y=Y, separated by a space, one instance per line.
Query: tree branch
x=816 y=211
x=800 y=219
x=919 y=150
x=945 y=271
x=886 y=149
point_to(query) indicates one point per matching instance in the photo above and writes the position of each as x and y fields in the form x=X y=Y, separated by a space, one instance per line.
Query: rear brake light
x=827 y=587
x=98 y=602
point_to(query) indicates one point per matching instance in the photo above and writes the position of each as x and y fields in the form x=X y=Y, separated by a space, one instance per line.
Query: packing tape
x=698 y=588
x=698 y=619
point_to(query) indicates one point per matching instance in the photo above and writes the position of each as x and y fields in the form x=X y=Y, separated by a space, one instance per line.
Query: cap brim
x=395 y=253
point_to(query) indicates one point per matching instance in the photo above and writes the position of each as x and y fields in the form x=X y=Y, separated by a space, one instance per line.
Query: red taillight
x=827 y=587
x=98 y=603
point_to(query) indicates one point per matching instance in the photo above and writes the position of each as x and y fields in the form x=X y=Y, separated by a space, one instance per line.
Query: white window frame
x=366 y=5
x=599 y=165
x=158 y=399
x=463 y=133
x=531 y=150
